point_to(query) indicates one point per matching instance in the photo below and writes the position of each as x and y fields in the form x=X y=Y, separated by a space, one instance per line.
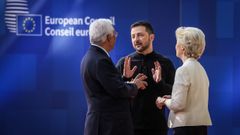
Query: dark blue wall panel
x=41 y=92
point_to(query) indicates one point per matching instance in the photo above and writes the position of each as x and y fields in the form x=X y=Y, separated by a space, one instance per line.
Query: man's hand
x=127 y=71
x=157 y=72
x=139 y=81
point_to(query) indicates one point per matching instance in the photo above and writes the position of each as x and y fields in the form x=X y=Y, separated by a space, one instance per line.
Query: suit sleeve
x=180 y=91
x=111 y=79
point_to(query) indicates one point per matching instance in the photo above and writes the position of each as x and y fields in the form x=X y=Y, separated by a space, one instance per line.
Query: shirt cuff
x=125 y=78
x=168 y=102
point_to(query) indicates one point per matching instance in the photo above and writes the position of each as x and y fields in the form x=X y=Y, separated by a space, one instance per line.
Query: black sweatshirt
x=144 y=111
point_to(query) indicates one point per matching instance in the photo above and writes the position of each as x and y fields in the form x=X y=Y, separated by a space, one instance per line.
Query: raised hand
x=127 y=71
x=157 y=72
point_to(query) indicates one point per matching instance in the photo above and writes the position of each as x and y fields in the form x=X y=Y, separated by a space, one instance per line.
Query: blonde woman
x=188 y=103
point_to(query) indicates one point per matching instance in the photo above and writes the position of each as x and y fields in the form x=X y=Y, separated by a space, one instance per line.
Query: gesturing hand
x=127 y=71
x=139 y=81
x=157 y=72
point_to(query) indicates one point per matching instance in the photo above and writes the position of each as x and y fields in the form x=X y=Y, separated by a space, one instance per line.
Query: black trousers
x=149 y=132
x=190 y=130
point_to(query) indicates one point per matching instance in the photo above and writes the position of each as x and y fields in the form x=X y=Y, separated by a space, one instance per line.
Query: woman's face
x=179 y=50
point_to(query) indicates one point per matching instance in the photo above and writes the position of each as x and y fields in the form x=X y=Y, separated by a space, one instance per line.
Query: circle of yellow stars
x=25 y=27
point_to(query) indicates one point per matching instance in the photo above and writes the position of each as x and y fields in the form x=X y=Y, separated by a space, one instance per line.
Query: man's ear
x=152 y=37
x=109 y=37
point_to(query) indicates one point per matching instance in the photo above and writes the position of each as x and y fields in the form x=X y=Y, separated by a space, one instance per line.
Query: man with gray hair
x=106 y=92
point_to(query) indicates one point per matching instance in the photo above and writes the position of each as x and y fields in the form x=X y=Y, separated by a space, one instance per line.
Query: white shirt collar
x=102 y=49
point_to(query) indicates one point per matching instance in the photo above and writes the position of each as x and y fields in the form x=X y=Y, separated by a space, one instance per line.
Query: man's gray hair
x=99 y=29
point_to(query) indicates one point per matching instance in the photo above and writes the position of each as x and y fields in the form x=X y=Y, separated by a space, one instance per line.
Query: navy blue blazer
x=107 y=95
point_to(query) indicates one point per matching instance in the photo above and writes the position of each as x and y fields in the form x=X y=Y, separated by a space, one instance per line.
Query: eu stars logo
x=29 y=25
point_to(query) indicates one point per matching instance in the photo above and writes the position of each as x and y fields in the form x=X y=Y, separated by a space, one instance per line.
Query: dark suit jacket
x=107 y=96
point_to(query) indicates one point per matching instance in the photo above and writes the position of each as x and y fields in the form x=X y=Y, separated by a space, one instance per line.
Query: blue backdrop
x=40 y=52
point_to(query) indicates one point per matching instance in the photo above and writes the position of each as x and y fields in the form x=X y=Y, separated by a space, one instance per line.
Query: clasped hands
x=160 y=101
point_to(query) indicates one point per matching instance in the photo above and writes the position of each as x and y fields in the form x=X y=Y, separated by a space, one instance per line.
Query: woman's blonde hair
x=192 y=40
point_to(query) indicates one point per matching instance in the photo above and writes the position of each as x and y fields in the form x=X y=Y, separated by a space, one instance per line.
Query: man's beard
x=142 y=48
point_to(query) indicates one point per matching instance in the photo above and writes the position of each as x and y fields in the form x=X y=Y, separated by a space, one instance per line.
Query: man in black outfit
x=147 y=118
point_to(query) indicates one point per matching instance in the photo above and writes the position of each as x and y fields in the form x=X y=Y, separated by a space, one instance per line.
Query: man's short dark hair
x=146 y=24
